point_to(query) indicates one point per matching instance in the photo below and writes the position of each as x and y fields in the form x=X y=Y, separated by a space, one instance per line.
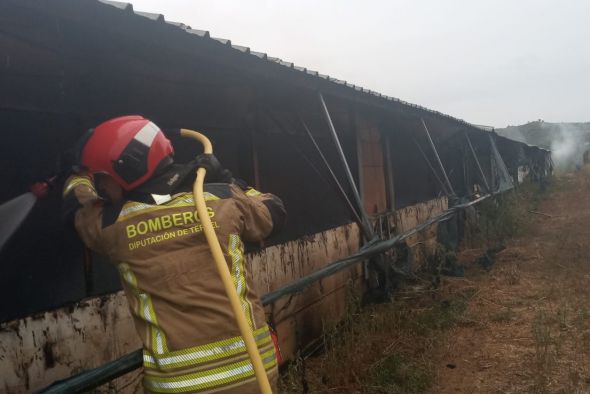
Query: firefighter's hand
x=215 y=172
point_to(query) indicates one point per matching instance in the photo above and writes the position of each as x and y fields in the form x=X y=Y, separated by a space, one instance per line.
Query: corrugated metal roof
x=159 y=18
x=154 y=17
x=119 y=4
x=200 y=33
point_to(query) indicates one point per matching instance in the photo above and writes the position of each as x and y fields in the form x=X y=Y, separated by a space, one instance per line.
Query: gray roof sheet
x=159 y=18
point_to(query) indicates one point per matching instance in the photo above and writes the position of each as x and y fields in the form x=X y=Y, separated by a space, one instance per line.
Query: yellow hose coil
x=223 y=269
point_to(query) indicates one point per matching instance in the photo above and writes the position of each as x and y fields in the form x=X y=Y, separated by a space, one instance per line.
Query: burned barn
x=359 y=172
x=525 y=161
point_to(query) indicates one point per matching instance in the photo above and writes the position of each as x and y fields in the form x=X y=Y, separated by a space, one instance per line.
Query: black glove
x=69 y=160
x=215 y=172
x=242 y=184
x=69 y=163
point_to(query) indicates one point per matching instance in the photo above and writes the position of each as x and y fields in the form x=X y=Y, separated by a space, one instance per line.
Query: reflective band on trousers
x=204 y=353
x=207 y=379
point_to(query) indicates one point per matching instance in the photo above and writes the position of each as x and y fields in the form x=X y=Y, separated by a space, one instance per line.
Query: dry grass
x=534 y=307
x=519 y=326
x=383 y=348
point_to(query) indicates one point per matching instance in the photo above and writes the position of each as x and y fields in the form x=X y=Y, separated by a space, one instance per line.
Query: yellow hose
x=223 y=269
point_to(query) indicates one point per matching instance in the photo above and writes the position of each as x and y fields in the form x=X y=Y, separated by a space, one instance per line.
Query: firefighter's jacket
x=181 y=312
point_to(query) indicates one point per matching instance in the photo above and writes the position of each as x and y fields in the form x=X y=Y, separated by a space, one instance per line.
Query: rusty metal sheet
x=298 y=318
x=40 y=349
x=424 y=242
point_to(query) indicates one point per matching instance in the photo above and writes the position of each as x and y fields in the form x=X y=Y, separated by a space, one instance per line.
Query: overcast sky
x=490 y=62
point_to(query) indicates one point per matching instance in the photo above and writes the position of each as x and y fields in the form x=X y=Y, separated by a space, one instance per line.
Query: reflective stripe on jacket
x=177 y=300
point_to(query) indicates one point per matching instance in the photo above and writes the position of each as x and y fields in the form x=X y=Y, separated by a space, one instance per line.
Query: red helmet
x=128 y=148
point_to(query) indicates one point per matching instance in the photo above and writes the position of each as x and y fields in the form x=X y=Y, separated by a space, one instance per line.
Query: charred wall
x=64 y=77
x=413 y=179
x=72 y=64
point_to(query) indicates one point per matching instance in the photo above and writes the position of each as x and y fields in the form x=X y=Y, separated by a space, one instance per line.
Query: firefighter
x=132 y=203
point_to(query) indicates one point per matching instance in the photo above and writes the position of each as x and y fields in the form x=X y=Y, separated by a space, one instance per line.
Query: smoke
x=568 y=143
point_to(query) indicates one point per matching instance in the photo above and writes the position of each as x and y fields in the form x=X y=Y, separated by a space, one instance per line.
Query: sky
x=490 y=62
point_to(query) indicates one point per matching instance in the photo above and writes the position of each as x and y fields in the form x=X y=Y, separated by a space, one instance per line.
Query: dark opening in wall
x=298 y=177
x=412 y=177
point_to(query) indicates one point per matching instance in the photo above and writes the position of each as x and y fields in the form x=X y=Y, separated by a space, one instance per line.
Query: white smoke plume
x=568 y=143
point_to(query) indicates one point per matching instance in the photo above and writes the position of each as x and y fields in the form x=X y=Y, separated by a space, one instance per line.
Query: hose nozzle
x=41 y=189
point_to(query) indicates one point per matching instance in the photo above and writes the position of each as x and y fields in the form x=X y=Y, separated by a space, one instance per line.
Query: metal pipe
x=500 y=166
x=442 y=184
x=344 y=195
x=367 y=227
x=438 y=158
x=483 y=176
x=334 y=177
x=92 y=378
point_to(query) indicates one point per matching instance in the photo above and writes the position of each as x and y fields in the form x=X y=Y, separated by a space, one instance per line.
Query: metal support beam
x=483 y=176
x=366 y=225
x=442 y=168
x=335 y=178
x=496 y=158
x=442 y=184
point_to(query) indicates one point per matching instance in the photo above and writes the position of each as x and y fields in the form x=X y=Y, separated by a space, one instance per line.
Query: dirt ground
x=527 y=327
x=520 y=325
